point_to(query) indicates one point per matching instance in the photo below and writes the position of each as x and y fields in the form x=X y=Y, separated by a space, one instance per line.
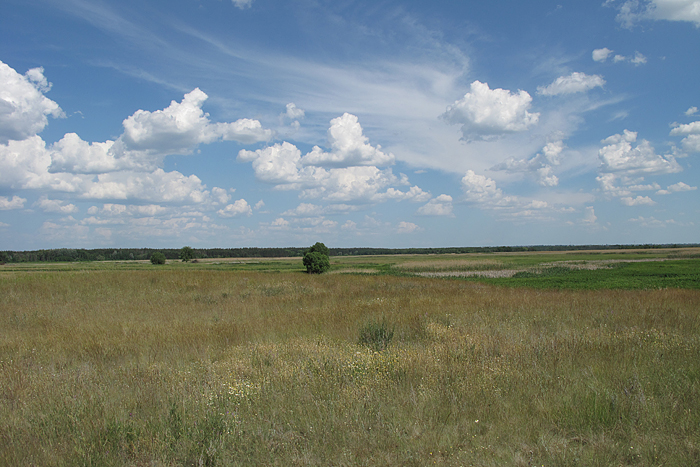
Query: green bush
x=186 y=253
x=158 y=258
x=316 y=259
x=376 y=335
x=316 y=263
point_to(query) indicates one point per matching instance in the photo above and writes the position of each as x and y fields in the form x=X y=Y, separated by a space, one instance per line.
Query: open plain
x=257 y=363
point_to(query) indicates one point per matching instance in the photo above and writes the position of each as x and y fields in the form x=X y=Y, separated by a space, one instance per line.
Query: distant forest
x=130 y=254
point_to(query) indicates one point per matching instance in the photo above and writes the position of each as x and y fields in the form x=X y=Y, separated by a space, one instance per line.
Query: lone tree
x=316 y=259
x=158 y=258
x=186 y=254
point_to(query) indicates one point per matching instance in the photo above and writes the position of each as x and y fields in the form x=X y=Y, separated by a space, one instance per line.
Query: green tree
x=320 y=248
x=186 y=253
x=316 y=259
x=158 y=258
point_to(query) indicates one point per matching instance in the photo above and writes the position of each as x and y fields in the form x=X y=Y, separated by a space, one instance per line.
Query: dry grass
x=188 y=367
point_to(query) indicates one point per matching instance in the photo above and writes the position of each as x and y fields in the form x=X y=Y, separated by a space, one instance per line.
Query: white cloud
x=676 y=188
x=150 y=136
x=259 y=205
x=539 y=166
x=589 y=216
x=181 y=126
x=349 y=225
x=407 y=227
x=357 y=180
x=638 y=59
x=480 y=189
x=14 y=203
x=72 y=154
x=618 y=155
x=242 y=4
x=239 y=207
x=574 y=83
x=348 y=147
x=440 y=206
x=23 y=106
x=54 y=205
x=220 y=195
x=348 y=184
x=601 y=55
x=158 y=186
x=633 y=11
x=653 y=222
x=293 y=112
x=274 y=164
x=485 y=112
x=675 y=10
x=280 y=223
x=309 y=210
x=691 y=131
x=638 y=201
x=691 y=111
x=414 y=194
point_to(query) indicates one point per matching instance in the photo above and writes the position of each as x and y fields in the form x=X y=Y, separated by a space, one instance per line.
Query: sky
x=261 y=123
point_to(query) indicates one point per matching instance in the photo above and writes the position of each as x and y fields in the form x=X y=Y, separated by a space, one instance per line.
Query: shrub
x=376 y=335
x=186 y=254
x=158 y=258
x=316 y=259
x=316 y=263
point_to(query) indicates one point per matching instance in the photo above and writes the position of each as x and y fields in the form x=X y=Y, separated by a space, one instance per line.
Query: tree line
x=131 y=254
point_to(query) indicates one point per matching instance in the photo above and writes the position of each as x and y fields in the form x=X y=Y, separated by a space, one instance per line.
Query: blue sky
x=219 y=123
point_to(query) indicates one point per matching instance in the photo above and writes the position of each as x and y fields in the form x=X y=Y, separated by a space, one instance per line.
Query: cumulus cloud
x=281 y=165
x=55 y=205
x=158 y=187
x=691 y=131
x=293 y=112
x=15 y=202
x=242 y=4
x=480 y=189
x=539 y=166
x=220 y=195
x=601 y=55
x=676 y=188
x=574 y=83
x=349 y=147
x=589 y=216
x=485 y=113
x=407 y=227
x=238 y=208
x=439 y=206
x=691 y=111
x=274 y=164
x=72 y=154
x=638 y=201
x=618 y=155
x=633 y=11
x=181 y=126
x=638 y=59
x=23 y=107
x=358 y=177
x=311 y=210
x=150 y=136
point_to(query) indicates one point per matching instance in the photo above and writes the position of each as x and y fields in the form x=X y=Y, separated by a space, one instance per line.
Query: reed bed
x=195 y=367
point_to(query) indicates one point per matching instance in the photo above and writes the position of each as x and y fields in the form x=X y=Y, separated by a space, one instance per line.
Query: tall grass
x=191 y=367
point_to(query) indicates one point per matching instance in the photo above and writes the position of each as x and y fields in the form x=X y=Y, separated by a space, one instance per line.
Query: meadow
x=576 y=358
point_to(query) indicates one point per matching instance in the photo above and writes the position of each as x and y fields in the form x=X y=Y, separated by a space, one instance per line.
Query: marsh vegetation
x=258 y=363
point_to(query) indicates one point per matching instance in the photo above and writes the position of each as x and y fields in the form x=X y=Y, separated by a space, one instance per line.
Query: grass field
x=574 y=359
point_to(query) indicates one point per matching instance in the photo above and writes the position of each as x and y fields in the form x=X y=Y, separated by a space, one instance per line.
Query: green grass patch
x=683 y=274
